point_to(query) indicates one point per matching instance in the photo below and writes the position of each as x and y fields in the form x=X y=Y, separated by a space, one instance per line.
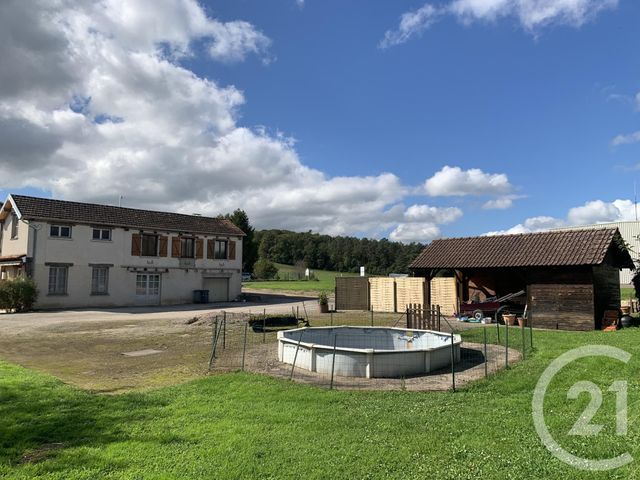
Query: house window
x=187 y=247
x=14 y=226
x=220 y=250
x=100 y=281
x=58 y=280
x=149 y=245
x=60 y=231
x=103 y=234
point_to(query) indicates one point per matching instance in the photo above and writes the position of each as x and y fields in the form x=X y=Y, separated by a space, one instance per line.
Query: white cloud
x=415 y=232
x=453 y=181
x=96 y=105
x=411 y=24
x=501 y=203
x=626 y=138
x=592 y=212
x=531 y=14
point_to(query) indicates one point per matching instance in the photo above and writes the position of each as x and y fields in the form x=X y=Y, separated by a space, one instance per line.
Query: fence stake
x=244 y=345
x=498 y=328
x=530 y=331
x=372 y=317
x=486 y=366
x=331 y=318
x=295 y=356
x=213 y=342
x=438 y=313
x=224 y=330
x=453 y=365
x=333 y=360
x=524 y=347
x=264 y=326
x=305 y=312
x=506 y=345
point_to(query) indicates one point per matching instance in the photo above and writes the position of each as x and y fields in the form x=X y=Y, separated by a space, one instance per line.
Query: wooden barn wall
x=606 y=284
x=352 y=293
x=562 y=306
x=382 y=294
x=409 y=290
x=444 y=292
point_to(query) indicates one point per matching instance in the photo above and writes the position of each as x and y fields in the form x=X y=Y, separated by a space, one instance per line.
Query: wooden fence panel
x=383 y=294
x=409 y=290
x=352 y=293
x=444 y=292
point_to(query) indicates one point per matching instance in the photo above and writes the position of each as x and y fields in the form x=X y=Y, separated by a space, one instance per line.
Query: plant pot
x=324 y=308
x=521 y=322
x=509 y=319
x=625 y=309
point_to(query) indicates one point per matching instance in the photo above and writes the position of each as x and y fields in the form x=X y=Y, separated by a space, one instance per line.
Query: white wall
x=16 y=246
x=177 y=284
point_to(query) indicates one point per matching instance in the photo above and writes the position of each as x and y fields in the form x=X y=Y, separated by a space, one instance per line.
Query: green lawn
x=326 y=281
x=627 y=293
x=250 y=426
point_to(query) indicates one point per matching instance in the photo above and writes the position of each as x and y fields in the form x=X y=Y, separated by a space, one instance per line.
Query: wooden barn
x=570 y=277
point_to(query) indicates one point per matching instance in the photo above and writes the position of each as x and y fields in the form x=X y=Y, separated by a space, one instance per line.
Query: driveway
x=91 y=348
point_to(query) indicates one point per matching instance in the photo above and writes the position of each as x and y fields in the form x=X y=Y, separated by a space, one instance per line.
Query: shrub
x=18 y=295
x=265 y=269
x=323 y=298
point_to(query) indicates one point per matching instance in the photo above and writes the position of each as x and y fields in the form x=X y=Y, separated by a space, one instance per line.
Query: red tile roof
x=557 y=248
x=34 y=208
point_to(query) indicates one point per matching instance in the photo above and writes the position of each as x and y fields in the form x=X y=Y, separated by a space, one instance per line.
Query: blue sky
x=538 y=104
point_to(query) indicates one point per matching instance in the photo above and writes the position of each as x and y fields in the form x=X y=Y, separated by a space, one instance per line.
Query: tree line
x=323 y=252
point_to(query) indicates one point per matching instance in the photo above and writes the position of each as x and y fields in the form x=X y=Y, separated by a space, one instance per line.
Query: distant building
x=630 y=232
x=89 y=255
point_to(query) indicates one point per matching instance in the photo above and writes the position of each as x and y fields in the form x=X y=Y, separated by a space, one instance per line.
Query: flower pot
x=509 y=319
x=521 y=322
x=324 y=308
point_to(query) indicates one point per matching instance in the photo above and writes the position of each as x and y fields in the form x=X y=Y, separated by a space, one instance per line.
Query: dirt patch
x=43 y=452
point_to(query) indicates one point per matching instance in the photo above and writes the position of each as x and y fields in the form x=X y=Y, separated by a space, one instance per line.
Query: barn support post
x=244 y=344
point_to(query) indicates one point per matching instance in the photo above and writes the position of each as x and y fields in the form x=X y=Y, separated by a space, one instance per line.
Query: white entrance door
x=218 y=289
x=148 y=289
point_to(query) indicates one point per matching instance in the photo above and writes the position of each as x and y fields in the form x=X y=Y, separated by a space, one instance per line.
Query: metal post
x=506 y=345
x=486 y=366
x=214 y=340
x=530 y=332
x=331 y=318
x=524 y=347
x=498 y=328
x=264 y=326
x=333 y=360
x=297 y=311
x=224 y=330
x=244 y=346
x=453 y=365
x=372 y=317
x=438 y=313
x=295 y=356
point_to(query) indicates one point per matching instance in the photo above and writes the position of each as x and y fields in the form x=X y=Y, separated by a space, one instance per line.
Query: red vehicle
x=491 y=307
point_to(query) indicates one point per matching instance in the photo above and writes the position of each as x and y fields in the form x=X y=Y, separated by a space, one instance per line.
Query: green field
x=326 y=281
x=627 y=293
x=250 y=426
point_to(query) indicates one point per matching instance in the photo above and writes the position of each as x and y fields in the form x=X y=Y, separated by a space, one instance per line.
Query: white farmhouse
x=90 y=255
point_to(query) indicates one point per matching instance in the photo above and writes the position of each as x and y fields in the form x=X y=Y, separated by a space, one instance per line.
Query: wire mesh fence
x=350 y=350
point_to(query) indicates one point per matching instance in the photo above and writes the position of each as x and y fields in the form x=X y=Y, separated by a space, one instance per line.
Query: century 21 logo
x=583 y=425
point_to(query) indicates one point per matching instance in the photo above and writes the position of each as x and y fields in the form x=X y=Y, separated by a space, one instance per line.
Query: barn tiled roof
x=556 y=248
x=94 y=214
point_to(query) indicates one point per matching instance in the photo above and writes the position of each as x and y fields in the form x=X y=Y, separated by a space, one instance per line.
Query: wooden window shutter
x=232 y=250
x=163 y=246
x=199 y=247
x=175 y=247
x=210 y=245
x=136 y=244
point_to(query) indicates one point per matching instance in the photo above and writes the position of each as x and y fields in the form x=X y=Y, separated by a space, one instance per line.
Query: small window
x=58 y=280
x=220 y=250
x=149 y=245
x=187 y=247
x=100 y=281
x=14 y=226
x=102 y=234
x=60 y=231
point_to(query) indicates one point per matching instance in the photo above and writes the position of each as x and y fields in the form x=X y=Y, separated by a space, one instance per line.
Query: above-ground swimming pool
x=382 y=352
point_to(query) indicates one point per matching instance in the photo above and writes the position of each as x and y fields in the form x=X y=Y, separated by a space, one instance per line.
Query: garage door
x=218 y=289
